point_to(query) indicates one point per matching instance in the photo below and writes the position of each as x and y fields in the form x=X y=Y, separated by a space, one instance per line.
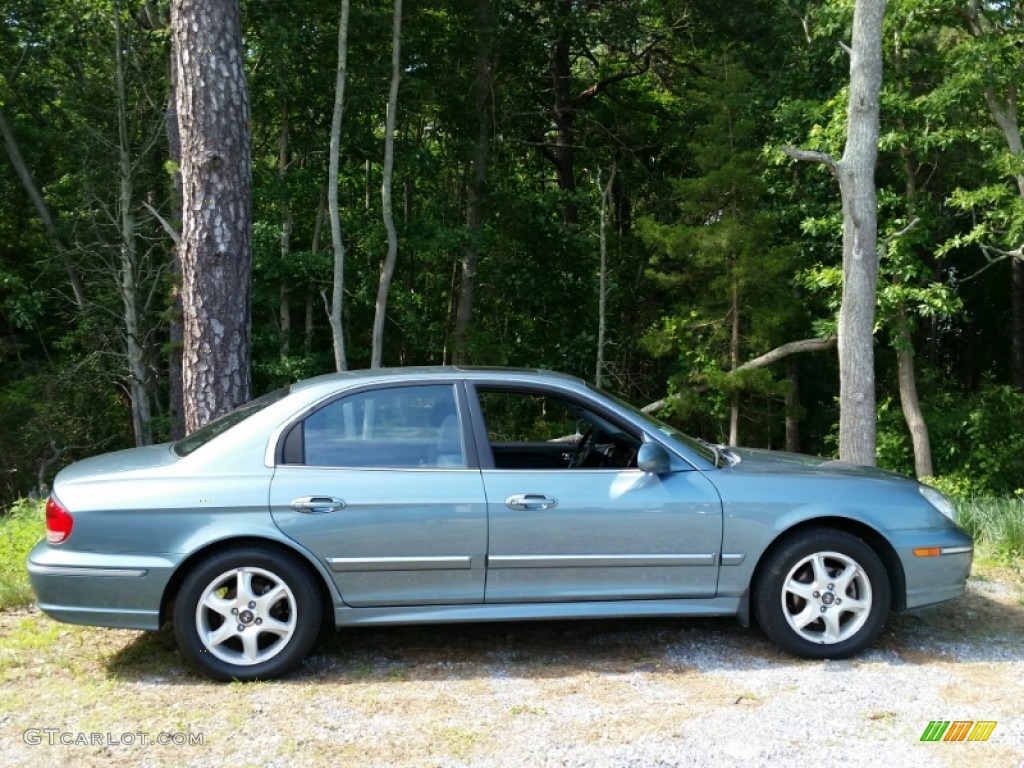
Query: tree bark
x=563 y=152
x=793 y=408
x=477 y=182
x=856 y=174
x=860 y=238
x=602 y=283
x=216 y=238
x=388 y=270
x=176 y=333
x=284 y=310
x=909 y=400
x=338 y=289
x=138 y=378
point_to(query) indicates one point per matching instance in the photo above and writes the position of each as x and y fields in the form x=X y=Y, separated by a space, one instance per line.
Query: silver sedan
x=453 y=495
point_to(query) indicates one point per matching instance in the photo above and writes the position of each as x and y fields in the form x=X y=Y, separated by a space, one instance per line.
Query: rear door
x=383 y=487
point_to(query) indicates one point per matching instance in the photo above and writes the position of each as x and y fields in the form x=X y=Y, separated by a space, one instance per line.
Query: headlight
x=939 y=501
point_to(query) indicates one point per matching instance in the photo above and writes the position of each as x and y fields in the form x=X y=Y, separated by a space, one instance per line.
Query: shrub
x=21 y=526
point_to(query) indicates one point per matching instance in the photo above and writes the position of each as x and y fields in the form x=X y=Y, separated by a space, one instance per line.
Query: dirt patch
x=608 y=693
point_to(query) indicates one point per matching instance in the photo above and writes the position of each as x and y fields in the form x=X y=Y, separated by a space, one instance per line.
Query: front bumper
x=934 y=578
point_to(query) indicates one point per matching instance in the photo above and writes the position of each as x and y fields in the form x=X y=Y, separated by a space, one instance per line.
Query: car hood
x=128 y=460
x=752 y=460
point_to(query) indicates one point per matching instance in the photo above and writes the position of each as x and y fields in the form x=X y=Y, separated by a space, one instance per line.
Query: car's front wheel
x=247 y=614
x=822 y=594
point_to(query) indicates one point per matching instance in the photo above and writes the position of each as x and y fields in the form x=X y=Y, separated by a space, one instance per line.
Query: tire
x=247 y=614
x=822 y=594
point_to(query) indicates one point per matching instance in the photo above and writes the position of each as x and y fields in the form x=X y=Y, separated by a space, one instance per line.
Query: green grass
x=21 y=526
x=996 y=524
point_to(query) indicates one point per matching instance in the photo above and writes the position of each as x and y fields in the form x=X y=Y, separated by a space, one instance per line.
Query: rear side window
x=203 y=435
x=397 y=427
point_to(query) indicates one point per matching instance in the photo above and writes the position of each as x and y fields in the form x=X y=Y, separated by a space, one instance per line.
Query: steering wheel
x=584 y=448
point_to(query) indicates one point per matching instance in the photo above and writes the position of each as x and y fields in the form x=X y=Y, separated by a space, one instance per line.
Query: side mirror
x=652 y=458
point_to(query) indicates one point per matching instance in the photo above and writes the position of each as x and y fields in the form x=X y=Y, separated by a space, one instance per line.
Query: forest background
x=593 y=187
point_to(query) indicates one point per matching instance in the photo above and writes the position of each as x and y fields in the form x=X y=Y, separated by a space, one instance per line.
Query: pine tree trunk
x=216 y=237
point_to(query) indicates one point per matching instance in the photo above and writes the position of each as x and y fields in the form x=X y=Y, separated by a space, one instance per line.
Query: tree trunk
x=909 y=399
x=860 y=238
x=734 y=354
x=216 y=237
x=284 y=313
x=563 y=153
x=176 y=332
x=138 y=378
x=602 y=282
x=793 y=407
x=388 y=271
x=856 y=174
x=338 y=291
x=477 y=183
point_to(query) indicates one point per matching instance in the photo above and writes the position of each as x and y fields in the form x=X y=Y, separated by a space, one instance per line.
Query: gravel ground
x=594 y=694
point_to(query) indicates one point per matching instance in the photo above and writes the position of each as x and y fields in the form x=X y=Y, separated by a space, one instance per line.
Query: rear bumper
x=103 y=590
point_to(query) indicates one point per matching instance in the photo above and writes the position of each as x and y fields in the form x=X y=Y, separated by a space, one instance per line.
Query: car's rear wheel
x=247 y=614
x=822 y=594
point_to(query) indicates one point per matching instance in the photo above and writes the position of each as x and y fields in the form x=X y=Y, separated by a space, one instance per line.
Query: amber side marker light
x=927 y=551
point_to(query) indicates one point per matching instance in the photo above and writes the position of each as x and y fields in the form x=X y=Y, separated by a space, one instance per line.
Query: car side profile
x=448 y=494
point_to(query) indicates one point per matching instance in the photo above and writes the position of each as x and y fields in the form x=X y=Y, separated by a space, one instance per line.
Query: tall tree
x=216 y=237
x=388 y=269
x=476 y=185
x=337 y=243
x=856 y=174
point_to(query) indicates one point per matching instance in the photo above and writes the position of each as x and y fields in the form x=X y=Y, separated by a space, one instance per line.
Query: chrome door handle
x=317 y=505
x=524 y=501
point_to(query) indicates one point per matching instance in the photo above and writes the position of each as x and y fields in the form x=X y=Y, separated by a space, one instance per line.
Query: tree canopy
x=561 y=171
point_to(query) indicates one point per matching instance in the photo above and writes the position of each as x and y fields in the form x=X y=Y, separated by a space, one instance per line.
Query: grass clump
x=21 y=526
x=996 y=523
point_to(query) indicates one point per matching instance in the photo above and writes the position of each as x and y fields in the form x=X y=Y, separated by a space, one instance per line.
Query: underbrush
x=997 y=525
x=21 y=526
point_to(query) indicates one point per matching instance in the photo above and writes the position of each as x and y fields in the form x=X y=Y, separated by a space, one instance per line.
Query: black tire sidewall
x=307 y=607
x=767 y=603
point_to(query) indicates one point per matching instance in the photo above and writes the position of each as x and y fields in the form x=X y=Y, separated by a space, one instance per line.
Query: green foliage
x=21 y=526
x=997 y=523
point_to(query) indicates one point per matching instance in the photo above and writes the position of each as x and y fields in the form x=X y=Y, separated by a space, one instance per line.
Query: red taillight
x=58 y=522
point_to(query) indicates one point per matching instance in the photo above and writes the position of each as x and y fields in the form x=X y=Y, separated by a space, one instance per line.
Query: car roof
x=480 y=373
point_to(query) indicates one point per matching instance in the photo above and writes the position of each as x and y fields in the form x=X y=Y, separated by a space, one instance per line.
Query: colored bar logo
x=958 y=730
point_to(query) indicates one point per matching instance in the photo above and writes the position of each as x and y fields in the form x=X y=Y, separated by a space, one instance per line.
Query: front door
x=594 y=527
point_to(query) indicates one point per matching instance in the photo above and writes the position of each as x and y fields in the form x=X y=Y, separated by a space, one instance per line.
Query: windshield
x=218 y=426
x=700 y=447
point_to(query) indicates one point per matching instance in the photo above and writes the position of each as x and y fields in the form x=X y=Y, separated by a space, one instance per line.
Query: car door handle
x=317 y=505
x=524 y=501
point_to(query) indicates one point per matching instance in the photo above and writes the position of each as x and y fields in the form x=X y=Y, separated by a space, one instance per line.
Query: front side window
x=397 y=427
x=538 y=430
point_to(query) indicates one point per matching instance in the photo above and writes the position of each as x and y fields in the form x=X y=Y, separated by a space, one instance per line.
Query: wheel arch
x=327 y=598
x=870 y=536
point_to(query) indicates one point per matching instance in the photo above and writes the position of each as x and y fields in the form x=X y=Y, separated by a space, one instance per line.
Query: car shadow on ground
x=982 y=626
